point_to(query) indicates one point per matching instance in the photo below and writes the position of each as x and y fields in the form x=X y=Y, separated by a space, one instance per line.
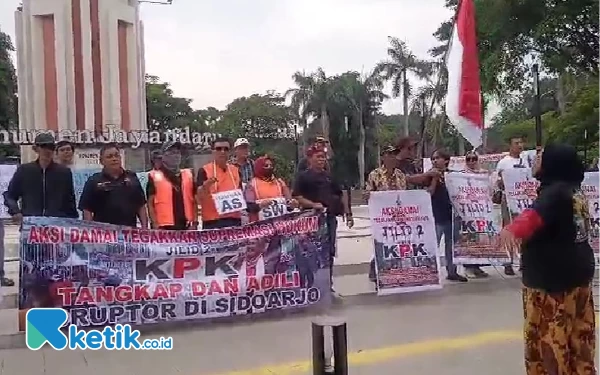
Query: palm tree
x=434 y=94
x=311 y=97
x=401 y=62
x=363 y=95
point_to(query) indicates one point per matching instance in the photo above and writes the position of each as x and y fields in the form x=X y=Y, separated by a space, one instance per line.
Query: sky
x=213 y=51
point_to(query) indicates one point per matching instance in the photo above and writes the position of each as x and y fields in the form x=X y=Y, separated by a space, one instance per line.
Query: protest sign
x=230 y=201
x=405 y=243
x=105 y=274
x=6 y=173
x=477 y=223
x=485 y=161
x=277 y=208
x=520 y=188
x=590 y=189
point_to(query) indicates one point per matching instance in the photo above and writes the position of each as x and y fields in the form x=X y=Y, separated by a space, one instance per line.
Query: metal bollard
x=339 y=335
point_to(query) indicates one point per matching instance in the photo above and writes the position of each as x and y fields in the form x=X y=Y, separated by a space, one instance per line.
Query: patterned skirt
x=560 y=332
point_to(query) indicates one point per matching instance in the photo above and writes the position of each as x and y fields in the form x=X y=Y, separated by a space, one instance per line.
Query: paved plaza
x=463 y=329
x=471 y=328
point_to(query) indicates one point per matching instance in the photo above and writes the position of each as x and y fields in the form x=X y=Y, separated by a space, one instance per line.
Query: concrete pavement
x=472 y=328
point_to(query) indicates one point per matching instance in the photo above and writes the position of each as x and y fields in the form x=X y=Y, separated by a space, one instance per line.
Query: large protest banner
x=6 y=173
x=405 y=243
x=520 y=188
x=105 y=274
x=477 y=223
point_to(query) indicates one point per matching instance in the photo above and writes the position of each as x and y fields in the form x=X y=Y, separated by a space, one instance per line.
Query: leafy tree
x=164 y=110
x=8 y=92
x=310 y=98
x=257 y=116
x=563 y=35
x=363 y=97
x=401 y=62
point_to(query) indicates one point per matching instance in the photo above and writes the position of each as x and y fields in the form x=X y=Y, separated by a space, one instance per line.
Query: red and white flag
x=463 y=100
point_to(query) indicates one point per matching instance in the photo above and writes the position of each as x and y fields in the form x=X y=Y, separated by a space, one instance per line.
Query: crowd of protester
x=232 y=189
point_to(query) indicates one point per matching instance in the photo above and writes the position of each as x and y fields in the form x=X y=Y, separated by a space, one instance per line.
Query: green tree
x=310 y=98
x=164 y=110
x=401 y=62
x=266 y=121
x=363 y=96
x=8 y=91
x=257 y=116
x=511 y=34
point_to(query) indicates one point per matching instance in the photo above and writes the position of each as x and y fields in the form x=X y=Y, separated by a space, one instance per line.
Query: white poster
x=590 y=189
x=6 y=173
x=405 y=243
x=520 y=188
x=478 y=223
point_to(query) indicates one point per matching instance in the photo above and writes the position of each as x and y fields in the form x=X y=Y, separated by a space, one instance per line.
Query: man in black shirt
x=443 y=213
x=316 y=189
x=42 y=187
x=179 y=217
x=115 y=195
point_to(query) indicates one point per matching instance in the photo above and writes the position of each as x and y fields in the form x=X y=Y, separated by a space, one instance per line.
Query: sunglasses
x=222 y=149
x=471 y=159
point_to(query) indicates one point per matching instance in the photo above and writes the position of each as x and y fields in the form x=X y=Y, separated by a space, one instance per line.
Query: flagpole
x=536 y=106
x=439 y=79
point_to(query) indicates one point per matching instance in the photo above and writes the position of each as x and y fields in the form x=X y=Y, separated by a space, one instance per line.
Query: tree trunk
x=405 y=102
x=461 y=145
x=361 y=149
x=560 y=94
x=324 y=121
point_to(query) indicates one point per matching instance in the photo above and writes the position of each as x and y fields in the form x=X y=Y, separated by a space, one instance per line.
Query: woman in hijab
x=558 y=267
x=266 y=195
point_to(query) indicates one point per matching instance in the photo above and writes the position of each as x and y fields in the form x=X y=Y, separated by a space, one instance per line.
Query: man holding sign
x=266 y=195
x=220 y=189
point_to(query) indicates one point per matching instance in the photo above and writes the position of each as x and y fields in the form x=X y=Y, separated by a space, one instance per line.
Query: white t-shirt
x=508 y=162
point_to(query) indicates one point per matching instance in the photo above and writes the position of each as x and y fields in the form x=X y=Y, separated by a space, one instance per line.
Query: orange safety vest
x=163 y=199
x=226 y=180
x=266 y=190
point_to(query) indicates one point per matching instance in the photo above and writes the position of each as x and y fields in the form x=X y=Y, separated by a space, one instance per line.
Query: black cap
x=169 y=145
x=44 y=139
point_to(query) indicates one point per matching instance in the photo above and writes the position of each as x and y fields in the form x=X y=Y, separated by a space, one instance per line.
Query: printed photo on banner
x=520 y=188
x=405 y=243
x=476 y=223
x=590 y=189
x=104 y=274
